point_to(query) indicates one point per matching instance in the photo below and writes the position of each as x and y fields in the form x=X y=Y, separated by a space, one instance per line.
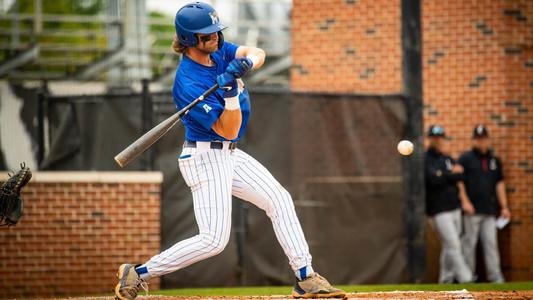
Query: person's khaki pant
x=452 y=263
x=484 y=227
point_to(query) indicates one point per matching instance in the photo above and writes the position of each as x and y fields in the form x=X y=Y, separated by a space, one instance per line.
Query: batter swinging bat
x=148 y=139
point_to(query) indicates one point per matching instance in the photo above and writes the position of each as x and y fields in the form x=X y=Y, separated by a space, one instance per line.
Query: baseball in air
x=405 y=147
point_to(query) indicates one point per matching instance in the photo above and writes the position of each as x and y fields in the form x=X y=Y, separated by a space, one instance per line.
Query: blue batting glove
x=227 y=82
x=239 y=67
x=233 y=91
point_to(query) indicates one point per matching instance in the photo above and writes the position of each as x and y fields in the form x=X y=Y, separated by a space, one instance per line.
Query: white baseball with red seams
x=214 y=175
x=405 y=147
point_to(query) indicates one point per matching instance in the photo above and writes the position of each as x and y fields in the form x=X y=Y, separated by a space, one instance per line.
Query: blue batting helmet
x=197 y=17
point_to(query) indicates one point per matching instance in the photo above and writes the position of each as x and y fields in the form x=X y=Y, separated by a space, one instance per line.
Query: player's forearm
x=256 y=55
x=500 y=192
x=462 y=193
x=229 y=124
x=453 y=177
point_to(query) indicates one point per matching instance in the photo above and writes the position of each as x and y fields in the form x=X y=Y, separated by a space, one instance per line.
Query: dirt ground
x=449 y=295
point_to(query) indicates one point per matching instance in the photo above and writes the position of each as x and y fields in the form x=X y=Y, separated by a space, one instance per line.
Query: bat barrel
x=119 y=161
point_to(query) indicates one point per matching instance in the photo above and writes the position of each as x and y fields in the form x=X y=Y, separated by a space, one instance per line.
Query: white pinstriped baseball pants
x=215 y=175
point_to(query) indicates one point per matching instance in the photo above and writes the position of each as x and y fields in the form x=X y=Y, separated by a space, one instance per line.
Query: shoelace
x=144 y=285
x=133 y=290
x=324 y=281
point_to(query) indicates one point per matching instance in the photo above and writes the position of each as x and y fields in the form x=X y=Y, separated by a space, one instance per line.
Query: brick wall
x=77 y=228
x=477 y=68
x=346 y=46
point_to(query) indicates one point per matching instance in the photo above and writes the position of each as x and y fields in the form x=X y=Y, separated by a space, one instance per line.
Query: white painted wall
x=15 y=141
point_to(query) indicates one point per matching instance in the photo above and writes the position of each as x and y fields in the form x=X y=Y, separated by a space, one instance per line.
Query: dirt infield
x=410 y=295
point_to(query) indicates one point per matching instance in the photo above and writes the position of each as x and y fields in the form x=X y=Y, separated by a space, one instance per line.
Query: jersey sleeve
x=206 y=112
x=462 y=160
x=230 y=50
x=499 y=170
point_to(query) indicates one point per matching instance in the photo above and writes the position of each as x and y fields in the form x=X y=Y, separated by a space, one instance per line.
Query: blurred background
x=344 y=82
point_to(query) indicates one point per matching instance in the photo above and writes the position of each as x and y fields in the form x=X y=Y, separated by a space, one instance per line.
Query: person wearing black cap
x=483 y=199
x=444 y=207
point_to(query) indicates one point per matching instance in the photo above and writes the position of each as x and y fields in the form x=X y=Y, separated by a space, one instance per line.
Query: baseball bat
x=148 y=139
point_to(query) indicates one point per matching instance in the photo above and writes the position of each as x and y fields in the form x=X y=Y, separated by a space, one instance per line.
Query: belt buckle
x=216 y=145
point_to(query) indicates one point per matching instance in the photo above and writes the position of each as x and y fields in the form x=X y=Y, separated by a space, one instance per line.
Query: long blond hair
x=177 y=46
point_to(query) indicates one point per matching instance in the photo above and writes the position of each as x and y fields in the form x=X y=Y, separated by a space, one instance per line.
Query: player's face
x=437 y=142
x=482 y=143
x=208 y=43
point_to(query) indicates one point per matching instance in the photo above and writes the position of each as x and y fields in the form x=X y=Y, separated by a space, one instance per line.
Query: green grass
x=285 y=290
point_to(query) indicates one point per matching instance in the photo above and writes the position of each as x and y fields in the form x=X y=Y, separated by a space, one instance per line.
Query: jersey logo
x=214 y=17
x=449 y=164
x=207 y=108
x=492 y=165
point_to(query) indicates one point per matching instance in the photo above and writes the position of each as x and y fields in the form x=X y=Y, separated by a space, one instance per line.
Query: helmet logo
x=214 y=17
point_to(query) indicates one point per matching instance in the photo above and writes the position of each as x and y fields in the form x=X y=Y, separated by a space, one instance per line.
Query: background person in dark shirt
x=483 y=199
x=444 y=207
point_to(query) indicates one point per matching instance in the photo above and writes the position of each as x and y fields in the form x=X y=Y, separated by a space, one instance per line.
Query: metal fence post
x=40 y=127
x=413 y=165
x=147 y=121
x=49 y=111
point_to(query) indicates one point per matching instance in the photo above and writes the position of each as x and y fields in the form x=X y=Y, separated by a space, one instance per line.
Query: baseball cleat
x=316 y=286
x=129 y=283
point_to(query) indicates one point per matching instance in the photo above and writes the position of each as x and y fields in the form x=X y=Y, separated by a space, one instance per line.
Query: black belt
x=213 y=145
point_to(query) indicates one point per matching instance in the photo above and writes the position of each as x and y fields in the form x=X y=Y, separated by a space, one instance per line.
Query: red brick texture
x=74 y=235
x=346 y=46
x=477 y=68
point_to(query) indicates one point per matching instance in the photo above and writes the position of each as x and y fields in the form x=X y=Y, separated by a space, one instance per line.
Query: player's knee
x=451 y=242
x=218 y=246
x=286 y=198
x=281 y=199
x=215 y=243
x=281 y=203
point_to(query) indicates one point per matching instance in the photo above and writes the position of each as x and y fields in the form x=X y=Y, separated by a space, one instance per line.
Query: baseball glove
x=11 y=205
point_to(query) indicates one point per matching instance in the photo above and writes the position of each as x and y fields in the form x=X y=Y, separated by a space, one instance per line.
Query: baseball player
x=443 y=206
x=212 y=165
x=484 y=199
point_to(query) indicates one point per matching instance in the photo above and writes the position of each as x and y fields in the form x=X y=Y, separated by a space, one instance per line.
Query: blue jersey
x=192 y=80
